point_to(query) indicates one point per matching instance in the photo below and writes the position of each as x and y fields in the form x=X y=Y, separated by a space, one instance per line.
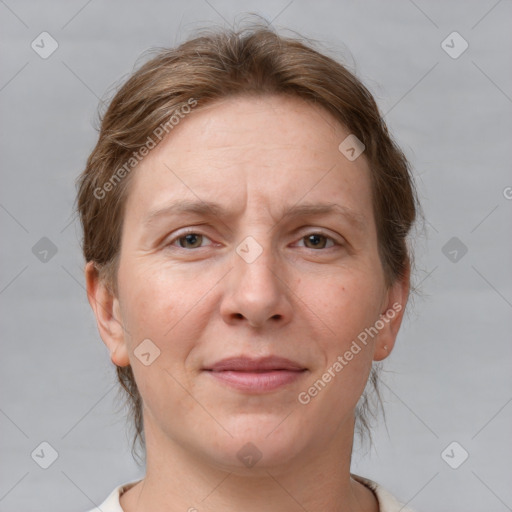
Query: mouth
x=256 y=375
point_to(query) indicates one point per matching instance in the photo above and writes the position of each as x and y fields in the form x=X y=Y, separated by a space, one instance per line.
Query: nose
x=256 y=292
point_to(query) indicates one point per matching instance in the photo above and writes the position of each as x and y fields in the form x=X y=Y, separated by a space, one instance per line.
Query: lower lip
x=257 y=382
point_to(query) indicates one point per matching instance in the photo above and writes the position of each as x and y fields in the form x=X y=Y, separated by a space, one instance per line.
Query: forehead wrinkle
x=212 y=209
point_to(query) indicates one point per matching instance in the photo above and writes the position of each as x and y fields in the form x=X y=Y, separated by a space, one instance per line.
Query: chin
x=261 y=444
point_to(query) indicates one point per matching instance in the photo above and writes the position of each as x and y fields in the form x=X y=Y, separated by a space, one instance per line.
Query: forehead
x=278 y=147
x=262 y=121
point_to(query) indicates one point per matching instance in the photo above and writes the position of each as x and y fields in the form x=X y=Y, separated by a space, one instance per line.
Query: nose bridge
x=256 y=293
x=255 y=262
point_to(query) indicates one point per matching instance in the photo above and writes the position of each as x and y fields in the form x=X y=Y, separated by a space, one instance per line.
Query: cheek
x=166 y=306
x=154 y=296
x=159 y=306
x=347 y=303
x=348 y=308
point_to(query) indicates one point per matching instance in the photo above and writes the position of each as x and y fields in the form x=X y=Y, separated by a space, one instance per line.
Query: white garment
x=387 y=502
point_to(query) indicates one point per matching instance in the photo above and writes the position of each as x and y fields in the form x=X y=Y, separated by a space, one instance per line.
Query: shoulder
x=387 y=502
x=111 y=503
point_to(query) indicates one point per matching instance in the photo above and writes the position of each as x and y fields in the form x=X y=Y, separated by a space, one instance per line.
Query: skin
x=199 y=302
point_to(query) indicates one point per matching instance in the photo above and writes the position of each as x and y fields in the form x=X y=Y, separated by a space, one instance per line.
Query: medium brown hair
x=219 y=64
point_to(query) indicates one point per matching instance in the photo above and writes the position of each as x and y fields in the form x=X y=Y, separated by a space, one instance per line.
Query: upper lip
x=249 y=364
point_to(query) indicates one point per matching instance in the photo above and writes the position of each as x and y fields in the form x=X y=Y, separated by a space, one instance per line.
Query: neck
x=177 y=479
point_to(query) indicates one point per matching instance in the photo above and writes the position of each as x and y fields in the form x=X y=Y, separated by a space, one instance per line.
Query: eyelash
x=195 y=232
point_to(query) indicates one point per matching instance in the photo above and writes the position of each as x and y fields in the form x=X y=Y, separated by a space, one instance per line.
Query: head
x=224 y=215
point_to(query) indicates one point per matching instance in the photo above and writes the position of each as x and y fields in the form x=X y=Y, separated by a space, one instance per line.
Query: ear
x=391 y=316
x=108 y=315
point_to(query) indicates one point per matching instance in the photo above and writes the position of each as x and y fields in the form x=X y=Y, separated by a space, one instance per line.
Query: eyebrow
x=212 y=209
x=311 y=210
x=183 y=206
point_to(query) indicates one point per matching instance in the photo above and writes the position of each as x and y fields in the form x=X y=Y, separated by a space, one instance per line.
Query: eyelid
x=195 y=231
x=318 y=231
x=185 y=232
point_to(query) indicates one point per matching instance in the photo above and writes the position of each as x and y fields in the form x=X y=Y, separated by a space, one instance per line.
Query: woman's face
x=248 y=234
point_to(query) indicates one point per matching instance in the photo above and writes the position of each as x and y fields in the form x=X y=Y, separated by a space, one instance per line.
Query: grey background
x=449 y=378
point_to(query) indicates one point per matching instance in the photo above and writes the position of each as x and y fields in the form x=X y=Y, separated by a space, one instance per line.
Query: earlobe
x=392 y=316
x=107 y=312
x=119 y=356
